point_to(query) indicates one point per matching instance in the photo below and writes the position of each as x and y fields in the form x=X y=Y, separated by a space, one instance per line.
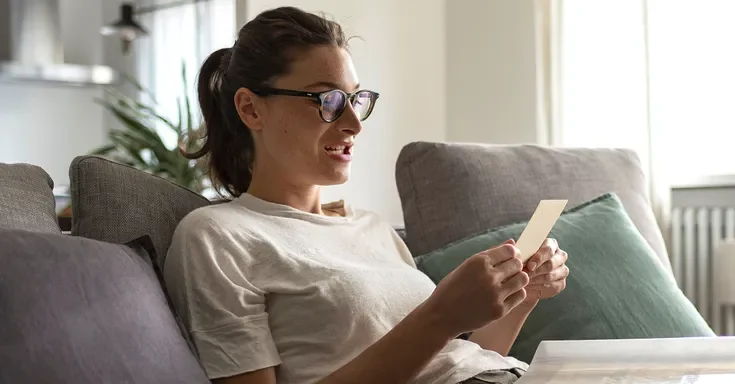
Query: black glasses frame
x=319 y=97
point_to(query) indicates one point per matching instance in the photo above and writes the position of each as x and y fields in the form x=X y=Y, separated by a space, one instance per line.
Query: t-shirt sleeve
x=224 y=313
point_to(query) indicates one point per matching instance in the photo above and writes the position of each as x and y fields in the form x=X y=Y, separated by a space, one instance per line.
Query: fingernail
x=532 y=266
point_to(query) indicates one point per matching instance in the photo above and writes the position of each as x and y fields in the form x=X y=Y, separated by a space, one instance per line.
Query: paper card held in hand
x=538 y=228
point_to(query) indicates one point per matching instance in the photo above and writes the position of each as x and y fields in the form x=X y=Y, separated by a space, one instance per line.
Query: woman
x=275 y=287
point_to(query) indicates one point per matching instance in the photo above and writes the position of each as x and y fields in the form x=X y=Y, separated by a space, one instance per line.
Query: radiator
x=702 y=247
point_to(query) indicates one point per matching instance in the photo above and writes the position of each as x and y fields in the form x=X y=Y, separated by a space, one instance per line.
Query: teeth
x=339 y=148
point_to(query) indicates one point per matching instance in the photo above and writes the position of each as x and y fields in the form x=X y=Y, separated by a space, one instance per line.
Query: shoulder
x=215 y=233
x=374 y=218
x=389 y=231
x=396 y=233
x=217 y=219
x=345 y=209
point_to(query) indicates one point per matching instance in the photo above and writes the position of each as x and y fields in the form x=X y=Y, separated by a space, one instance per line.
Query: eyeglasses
x=331 y=103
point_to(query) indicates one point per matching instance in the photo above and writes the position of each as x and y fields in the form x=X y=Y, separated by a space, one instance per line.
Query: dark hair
x=264 y=49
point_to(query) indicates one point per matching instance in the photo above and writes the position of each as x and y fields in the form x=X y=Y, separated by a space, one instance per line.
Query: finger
x=516 y=298
x=509 y=267
x=544 y=254
x=559 y=259
x=560 y=273
x=506 y=242
x=553 y=289
x=502 y=253
x=515 y=283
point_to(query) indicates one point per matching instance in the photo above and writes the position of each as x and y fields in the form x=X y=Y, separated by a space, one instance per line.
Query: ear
x=246 y=103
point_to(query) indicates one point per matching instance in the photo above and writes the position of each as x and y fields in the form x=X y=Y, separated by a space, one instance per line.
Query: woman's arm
x=500 y=335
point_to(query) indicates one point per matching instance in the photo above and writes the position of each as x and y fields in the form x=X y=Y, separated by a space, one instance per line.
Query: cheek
x=296 y=135
x=299 y=142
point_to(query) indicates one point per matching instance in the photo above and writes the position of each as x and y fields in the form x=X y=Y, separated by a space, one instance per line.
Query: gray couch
x=89 y=308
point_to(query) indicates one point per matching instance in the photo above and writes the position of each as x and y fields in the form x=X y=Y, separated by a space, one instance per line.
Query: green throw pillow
x=617 y=288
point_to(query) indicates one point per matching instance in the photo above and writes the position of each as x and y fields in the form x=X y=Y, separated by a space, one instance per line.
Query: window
x=186 y=35
x=692 y=85
x=657 y=76
x=603 y=75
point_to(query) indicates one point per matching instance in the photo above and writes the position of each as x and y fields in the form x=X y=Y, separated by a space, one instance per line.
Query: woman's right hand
x=482 y=289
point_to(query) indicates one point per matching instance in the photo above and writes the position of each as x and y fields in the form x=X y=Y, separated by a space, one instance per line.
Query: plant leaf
x=138 y=143
x=147 y=138
x=139 y=87
x=130 y=145
x=187 y=104
x=134 y=125
x=180 y=128
x=141 y=108
x=104 y=150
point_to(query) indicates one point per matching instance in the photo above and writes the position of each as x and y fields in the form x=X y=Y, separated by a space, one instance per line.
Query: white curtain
x=656 y=76
x=180 y=37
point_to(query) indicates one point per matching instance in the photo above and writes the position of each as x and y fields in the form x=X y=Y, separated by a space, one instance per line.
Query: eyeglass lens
x=334 y=102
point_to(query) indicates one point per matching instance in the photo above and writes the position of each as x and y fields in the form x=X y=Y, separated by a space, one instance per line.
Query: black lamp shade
x=127 y=28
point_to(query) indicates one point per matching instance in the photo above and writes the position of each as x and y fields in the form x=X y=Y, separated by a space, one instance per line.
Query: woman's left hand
x=548 y=272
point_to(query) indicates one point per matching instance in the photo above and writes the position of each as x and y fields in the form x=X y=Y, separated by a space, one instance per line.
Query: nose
x=349 y=122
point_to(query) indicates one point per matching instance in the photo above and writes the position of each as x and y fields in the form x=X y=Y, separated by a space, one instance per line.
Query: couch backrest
x=27 y=199
x=116 y=203
x=450 y=191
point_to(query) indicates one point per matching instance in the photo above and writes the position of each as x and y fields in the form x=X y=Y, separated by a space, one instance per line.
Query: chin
x=337 y=180
x=336 y=177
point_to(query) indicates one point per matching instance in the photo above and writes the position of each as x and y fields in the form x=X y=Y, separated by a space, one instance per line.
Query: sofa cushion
x=117 y=203
x=449 y=191
x=143 y=247
x=76 y=310
x=617 y=287
x=27 y=199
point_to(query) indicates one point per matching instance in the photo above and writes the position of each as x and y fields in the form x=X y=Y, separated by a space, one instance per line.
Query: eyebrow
x=329 y=84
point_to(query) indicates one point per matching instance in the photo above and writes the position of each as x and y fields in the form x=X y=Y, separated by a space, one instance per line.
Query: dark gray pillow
x=27 y=199
x=116 y=203
x=75 y=310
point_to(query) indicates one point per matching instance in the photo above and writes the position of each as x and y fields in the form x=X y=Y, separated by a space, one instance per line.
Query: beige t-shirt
x=262 y=285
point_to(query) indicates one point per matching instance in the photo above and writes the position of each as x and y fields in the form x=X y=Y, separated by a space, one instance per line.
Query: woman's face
x=292 y=141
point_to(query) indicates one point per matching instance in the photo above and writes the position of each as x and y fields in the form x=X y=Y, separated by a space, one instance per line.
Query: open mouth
x=338 y=149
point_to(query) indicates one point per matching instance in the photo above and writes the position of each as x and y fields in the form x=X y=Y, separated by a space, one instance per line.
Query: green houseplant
x=140 y=145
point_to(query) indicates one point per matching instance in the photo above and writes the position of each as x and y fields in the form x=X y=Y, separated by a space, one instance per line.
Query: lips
x=340 y=149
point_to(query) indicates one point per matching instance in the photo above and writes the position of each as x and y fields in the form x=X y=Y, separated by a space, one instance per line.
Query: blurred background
x=655 y=76
x=652 y=75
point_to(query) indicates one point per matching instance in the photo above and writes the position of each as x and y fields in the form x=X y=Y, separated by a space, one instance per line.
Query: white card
x=538 y=228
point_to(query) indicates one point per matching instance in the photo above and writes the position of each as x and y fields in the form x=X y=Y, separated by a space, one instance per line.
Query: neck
x=278 y=190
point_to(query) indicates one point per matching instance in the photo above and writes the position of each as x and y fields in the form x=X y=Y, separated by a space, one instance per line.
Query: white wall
x=48 y=125
x=402 y=56
x=446 y=70
x=491 y=72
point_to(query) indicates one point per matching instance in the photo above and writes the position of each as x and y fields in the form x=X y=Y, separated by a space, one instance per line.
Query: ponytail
x=230 y=165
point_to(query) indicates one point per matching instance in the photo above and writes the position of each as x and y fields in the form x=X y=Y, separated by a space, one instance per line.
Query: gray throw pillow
x=27 y=199
x=75 y=310
x=116 y=203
